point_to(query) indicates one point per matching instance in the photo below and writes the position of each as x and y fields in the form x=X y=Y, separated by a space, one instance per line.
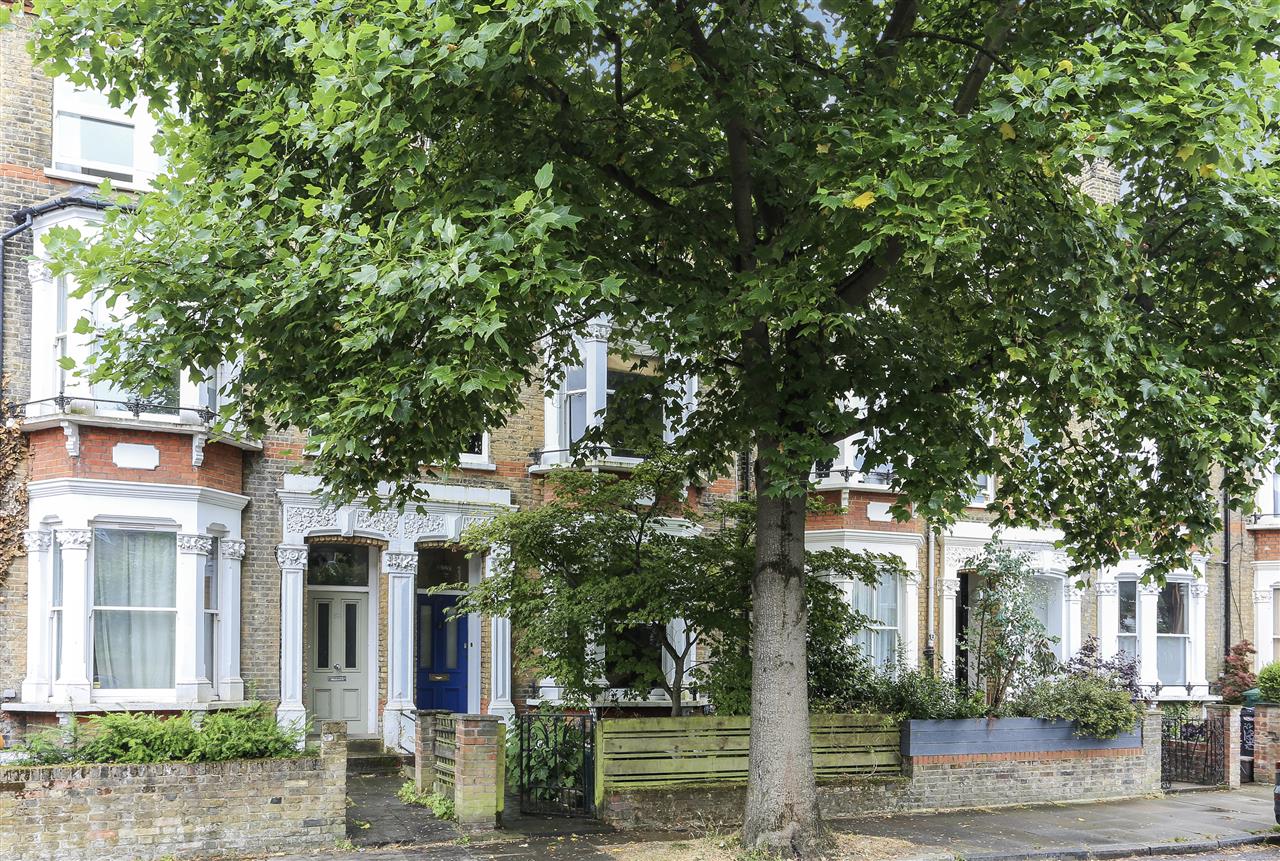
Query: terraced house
x=168 y=567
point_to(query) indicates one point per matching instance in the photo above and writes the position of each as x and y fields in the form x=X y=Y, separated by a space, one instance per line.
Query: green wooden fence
x=641 y=753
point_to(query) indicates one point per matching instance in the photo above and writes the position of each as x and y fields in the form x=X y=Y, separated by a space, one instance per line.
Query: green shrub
x=1269 y=682
x=441 y=806
x=1095 y=702
x=136 y=738
x=917 y=694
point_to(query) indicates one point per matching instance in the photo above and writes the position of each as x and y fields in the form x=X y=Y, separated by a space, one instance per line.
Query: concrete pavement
x=1160 y=827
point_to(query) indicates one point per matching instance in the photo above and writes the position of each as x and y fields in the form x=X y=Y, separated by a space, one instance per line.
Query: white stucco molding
x=137 y=490
x=443 y=514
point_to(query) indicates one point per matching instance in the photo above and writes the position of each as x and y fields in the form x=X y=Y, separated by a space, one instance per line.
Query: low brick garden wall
x=184 y=810
x=925 y=783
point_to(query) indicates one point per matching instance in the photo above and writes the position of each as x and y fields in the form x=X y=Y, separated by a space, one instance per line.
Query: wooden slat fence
x=650 y=752
x=445 y=744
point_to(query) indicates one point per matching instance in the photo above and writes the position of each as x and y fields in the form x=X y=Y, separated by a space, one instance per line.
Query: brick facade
x=151 y=812
x=221 y=468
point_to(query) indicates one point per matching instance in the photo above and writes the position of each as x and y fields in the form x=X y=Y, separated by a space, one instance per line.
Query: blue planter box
x=1003 y=735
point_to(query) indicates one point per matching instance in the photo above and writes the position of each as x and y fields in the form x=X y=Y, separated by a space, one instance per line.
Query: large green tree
x=850 y=217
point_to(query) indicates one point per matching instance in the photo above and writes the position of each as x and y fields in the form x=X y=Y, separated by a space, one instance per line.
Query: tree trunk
x=782 y=806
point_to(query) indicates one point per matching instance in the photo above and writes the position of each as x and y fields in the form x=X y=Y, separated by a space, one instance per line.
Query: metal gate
x=1246 y=745
x=1192 y=751
x=556 y=763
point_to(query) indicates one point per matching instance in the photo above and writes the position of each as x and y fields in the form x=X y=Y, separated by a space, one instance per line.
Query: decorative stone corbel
x=197 y=448
x=72 y=432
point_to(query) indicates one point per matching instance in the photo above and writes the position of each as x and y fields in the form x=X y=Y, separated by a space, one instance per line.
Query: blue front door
x=442 y=654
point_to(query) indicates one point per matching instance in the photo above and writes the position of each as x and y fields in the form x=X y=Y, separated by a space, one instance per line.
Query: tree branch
x=855 y=289
x=957 y=40
x=901 y=20
x=997 y=30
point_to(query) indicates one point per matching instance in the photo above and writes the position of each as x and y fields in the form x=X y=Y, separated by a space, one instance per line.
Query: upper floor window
x=476 y=449
x=91 y=138
x=623 y=393
x=61 y=326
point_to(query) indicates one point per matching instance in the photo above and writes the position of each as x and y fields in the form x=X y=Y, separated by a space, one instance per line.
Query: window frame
x=850 y=589
x=482 y=458
x=1184 y=637
x=71 y=102
x=211 y=581
x=103 y=694
x=57 y=617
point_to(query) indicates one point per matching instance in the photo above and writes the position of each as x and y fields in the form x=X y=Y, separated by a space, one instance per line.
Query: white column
x=909 y=620
x=499 y=655
x=1148 y=598
x=595 y=359
x=400 y=568
x=1072 y=632
x=191 y=676
x=35 y=686
x=230 y=684
x=1108 y=618
x=1263 y=627
x=73 y=684
x=1199 y=640
x=292 y=559
x=950 y=588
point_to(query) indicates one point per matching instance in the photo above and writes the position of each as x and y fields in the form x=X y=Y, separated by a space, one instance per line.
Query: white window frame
x=876 y=625
x=1136 y=633
x=1056 y=586
x=592 y=356
x=213 y=612
x=482 y=458
x=69 y=100
x=61 y=331
x=57 y=618
x=116 y=694
x=1184 y=638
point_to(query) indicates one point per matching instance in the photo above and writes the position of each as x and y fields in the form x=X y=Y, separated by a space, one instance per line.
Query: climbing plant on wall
x=13 y=487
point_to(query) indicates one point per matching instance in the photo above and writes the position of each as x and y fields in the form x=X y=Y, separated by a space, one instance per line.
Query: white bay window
x=1162 y=626
x=134 y=595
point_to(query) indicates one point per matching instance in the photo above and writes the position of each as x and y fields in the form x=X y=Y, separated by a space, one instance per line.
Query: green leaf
x=543 y=177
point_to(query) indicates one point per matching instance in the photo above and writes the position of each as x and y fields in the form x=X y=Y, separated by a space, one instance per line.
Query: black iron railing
x=136 y=406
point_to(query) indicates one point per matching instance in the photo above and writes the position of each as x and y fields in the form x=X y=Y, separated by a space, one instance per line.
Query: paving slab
x=1170 y=823
x=376 y=817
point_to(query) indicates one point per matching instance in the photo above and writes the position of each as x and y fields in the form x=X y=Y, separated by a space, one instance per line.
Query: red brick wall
x=855 y=516
x=1266 y=544
x=222 y=467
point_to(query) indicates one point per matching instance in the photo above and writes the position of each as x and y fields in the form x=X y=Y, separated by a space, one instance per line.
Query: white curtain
x=134 y=616
x=879 y=640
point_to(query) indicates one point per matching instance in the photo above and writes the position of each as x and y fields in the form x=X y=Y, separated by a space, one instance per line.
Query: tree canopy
x=844 y=218
x=621 y=585
x=384 y=208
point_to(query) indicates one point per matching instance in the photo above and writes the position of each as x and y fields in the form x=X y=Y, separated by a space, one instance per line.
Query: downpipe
x=23 y=225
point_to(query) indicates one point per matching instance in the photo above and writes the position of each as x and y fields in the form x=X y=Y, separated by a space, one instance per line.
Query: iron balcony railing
x=136 y=406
